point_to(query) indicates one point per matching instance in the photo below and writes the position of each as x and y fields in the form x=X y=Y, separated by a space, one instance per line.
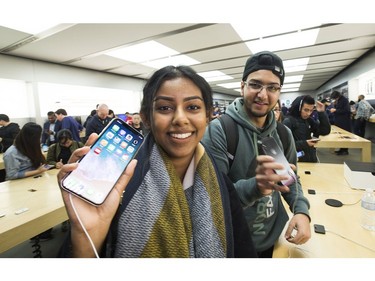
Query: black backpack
x=231 y=133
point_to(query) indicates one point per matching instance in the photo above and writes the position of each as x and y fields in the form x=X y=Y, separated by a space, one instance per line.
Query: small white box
x=360 y=175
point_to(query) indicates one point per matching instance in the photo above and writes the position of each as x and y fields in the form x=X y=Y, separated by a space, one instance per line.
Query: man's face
x=52 y=118
x=59 y=117
x=103 y=113
x=259 y=102
x=306 y=110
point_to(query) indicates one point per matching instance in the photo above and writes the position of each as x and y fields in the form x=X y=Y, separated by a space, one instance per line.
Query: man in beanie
x=253 y=175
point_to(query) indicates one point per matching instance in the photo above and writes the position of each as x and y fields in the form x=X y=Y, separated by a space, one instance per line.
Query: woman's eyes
x=192 y=107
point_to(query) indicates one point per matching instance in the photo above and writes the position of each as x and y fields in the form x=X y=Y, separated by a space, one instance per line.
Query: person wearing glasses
x=253 y=174
x=177 y=204
x=59 y=153
x=306 y=130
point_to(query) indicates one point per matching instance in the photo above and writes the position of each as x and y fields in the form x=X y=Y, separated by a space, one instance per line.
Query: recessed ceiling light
x=284 y=42
x=175 y=60
x=291 y=85
x=143 y=52
x=214 y=75
x=231 y=85
x=292 y=79
x=289 y=90
x=295 y=65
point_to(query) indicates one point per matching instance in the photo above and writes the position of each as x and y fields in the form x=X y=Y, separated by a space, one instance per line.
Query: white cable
x=83 y=227
x=372 y=250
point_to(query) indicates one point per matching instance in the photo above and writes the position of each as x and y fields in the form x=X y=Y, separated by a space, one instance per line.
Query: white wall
x=34 y=78
x=356 y=75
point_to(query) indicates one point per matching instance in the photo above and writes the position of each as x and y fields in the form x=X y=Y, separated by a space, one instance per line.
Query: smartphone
x=269 y=147
x=318 y=228
x=48 y=166
x=99 y=170
x=300 y=154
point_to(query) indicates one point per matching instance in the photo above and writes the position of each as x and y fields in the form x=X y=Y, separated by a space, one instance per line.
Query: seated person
x=304 y=128
x=24 y=158
x=59 y=152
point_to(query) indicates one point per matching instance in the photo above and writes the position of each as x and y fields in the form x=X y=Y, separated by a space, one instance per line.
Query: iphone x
x=99 y=170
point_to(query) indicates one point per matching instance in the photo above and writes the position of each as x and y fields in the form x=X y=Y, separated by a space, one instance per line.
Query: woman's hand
x=95 y=219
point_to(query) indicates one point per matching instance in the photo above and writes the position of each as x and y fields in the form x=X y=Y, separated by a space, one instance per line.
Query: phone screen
x=270 y=147
x=100 y=168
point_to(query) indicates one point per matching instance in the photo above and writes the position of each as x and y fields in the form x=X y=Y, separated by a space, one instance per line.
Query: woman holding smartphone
x=176 y=203
x=25 y=158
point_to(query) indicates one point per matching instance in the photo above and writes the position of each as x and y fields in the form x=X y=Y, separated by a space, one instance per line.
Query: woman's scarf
x=163 y=220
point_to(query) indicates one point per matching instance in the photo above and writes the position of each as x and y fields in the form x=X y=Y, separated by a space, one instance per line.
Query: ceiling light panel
x=215 y=75
x=143 y=52
x=295 y=65
x=247 y=33
x=290 y=90
x=176 y=60
x=292 y=85
x=292 y=79
x=284 y=42
x=231 y=85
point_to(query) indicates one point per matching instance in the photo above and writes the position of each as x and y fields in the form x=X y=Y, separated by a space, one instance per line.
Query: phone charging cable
x=83 y=227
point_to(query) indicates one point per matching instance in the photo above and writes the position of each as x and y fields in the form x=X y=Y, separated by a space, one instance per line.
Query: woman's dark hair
x=335 y=95
x=169 y=73
x=64 y=135
x=298 y=103
x=28 y=143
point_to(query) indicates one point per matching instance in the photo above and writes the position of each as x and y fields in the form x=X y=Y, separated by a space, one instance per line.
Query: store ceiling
x=214 y=46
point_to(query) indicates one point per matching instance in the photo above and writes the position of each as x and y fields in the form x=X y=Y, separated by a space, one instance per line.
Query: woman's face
x=277 y=111
x=179 y=118
x=66 y=142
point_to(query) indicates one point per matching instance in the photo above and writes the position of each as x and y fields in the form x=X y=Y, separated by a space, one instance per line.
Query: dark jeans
x=360 y=127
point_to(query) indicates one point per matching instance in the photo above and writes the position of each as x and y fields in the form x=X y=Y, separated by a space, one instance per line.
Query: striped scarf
x=163 y=220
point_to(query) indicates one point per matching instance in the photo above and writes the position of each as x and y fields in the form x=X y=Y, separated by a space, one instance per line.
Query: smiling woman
x=175 y=190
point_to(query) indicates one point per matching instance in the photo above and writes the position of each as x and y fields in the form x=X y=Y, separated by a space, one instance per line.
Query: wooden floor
x=49 y=249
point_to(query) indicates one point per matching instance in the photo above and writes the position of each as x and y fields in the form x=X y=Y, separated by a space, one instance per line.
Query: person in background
x=284 y=109
x=68 y=122
x=129 y=118
x=111 y=114
x=304 y=128
x=328 y=105
x=138 y=124
x=279 y=116
x=60 y=152
x=99 y=121
x=341 y=112
x=177 y=204
x=253 y=174
x=92 y=113
x=363 y=112
x=50 y=129
x=24 y=158
x=8 y=132
x=216 y=112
